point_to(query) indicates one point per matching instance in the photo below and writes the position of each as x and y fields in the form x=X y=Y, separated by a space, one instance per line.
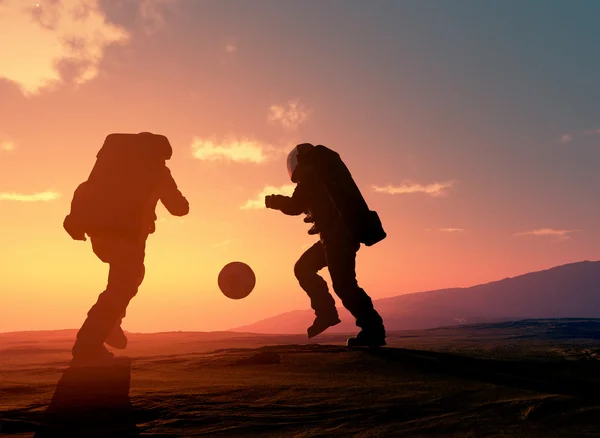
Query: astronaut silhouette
x=328 y=195
x=115 y=207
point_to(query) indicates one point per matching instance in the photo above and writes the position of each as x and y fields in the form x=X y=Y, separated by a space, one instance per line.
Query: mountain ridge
x=564 y=291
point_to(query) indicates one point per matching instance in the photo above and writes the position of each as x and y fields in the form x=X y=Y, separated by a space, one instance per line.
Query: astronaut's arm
x=289 y=205
x=171 y=197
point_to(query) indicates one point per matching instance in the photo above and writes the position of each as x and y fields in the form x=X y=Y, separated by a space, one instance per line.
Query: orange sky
x=233 y=96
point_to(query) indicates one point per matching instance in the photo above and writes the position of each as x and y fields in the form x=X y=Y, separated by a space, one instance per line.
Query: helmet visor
x=292 y=162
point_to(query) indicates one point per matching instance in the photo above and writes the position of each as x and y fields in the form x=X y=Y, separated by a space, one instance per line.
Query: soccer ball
x=236 y=280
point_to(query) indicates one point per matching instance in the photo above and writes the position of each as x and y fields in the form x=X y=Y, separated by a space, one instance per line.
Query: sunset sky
x=472 y=127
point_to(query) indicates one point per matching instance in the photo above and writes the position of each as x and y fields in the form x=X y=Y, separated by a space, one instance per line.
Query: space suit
x=326 y=193
x=115 y=207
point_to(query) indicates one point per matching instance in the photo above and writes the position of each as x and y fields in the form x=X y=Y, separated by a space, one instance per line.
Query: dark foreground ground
x=525 y=379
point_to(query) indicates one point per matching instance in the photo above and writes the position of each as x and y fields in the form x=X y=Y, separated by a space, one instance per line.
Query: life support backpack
x=118 y=190
x=347 y=198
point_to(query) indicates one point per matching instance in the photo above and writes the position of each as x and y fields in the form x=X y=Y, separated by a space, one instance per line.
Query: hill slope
x=568 y=291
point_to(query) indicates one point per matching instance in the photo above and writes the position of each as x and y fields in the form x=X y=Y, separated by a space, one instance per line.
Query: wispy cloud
x=34 y=197
x=7 y=146
x=151 y=13
x=566 y=138
x=259 y=201
x=228 y=50
x=434 y=189
x=235 y=150
x=446 y=230
x=569 y=137
x=548 y=232
x=222 y=243
x=290 y=115
x=170 y=220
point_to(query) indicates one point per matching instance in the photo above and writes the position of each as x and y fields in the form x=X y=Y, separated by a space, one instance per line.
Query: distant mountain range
x=568 y=291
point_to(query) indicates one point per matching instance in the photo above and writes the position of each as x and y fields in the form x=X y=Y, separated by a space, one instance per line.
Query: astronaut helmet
x=292 y=159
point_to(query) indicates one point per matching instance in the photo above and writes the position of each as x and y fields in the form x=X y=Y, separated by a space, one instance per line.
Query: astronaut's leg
x=306 y=271
x=341 y=260
x=126 y=260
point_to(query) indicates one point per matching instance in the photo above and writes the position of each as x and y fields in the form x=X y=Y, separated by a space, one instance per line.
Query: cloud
x=42 y=39
x=559 y=234
x=35 y=197
x=222 y=243
x=234 y=150
x=434 y=189
x=7 y=146
x=151 y=13
x=170 y=219
x=50 y=42
x=446 y=230
x=290 y=115
x=569 y=137
x=259 y=201
x=227 y=51
x=566 y=138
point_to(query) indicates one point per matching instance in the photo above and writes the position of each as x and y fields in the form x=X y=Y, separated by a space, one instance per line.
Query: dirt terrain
x=527 y=378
